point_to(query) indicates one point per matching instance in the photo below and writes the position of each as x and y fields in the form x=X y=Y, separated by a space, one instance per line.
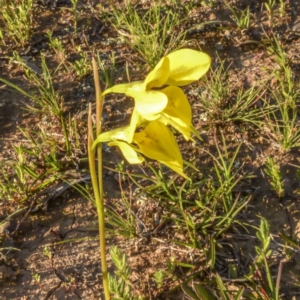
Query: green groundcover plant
x=159 y=102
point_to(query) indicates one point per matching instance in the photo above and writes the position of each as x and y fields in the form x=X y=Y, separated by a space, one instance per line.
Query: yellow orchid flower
x=169 y=105
x=155 y=141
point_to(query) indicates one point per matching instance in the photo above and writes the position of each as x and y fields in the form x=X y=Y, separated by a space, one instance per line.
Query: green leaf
x=184 y=265
x=204 y=293
x=222 y=288
x=212 y=252
x=269 y=276
x=189 y=291
x=239 y=294
x=289 y=240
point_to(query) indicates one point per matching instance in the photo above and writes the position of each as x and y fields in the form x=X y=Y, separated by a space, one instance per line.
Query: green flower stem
x=98 y=183
x=99 y=106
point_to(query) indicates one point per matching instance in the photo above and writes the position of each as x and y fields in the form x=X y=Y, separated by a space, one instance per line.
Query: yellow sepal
x=116 y=134
x=128 y=151
x=124 y=88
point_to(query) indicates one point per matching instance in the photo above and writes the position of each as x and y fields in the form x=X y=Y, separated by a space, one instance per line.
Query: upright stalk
x=97 y=182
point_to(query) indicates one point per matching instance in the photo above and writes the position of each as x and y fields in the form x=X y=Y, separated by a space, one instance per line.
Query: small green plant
x=120 y=285
x=270 y=8
x=18 y=19
x=228 y=177
x=48 y=101
x=214 y=205
x=21 y=177
x=264 y=238
x=282 y=6
x=282 y=126
x=289 y=91
x=82 y=66
x=47 y=252
x=152 y=33
x=122 y=219
x=159 y=277
x=75 y=12
x=282 y=118
x=36 y=277
x=107 y=70
x=270 y=3
x=222 y=105
x=273 y=171
x=262 y=280
x=242 y=18
x=57 y=46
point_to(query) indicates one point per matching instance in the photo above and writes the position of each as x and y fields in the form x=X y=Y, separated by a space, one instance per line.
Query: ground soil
x=60 y=243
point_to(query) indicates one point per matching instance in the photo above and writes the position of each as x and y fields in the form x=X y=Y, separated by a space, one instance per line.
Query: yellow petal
x=116 y=134
x=157 y=142
x=149 y=104
x=159 y=75
x=129 y=153
x=186 y=66
x=135 y=121
x=178 y=112
x=182 y=128
x=178 y=169
x=123 y=88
